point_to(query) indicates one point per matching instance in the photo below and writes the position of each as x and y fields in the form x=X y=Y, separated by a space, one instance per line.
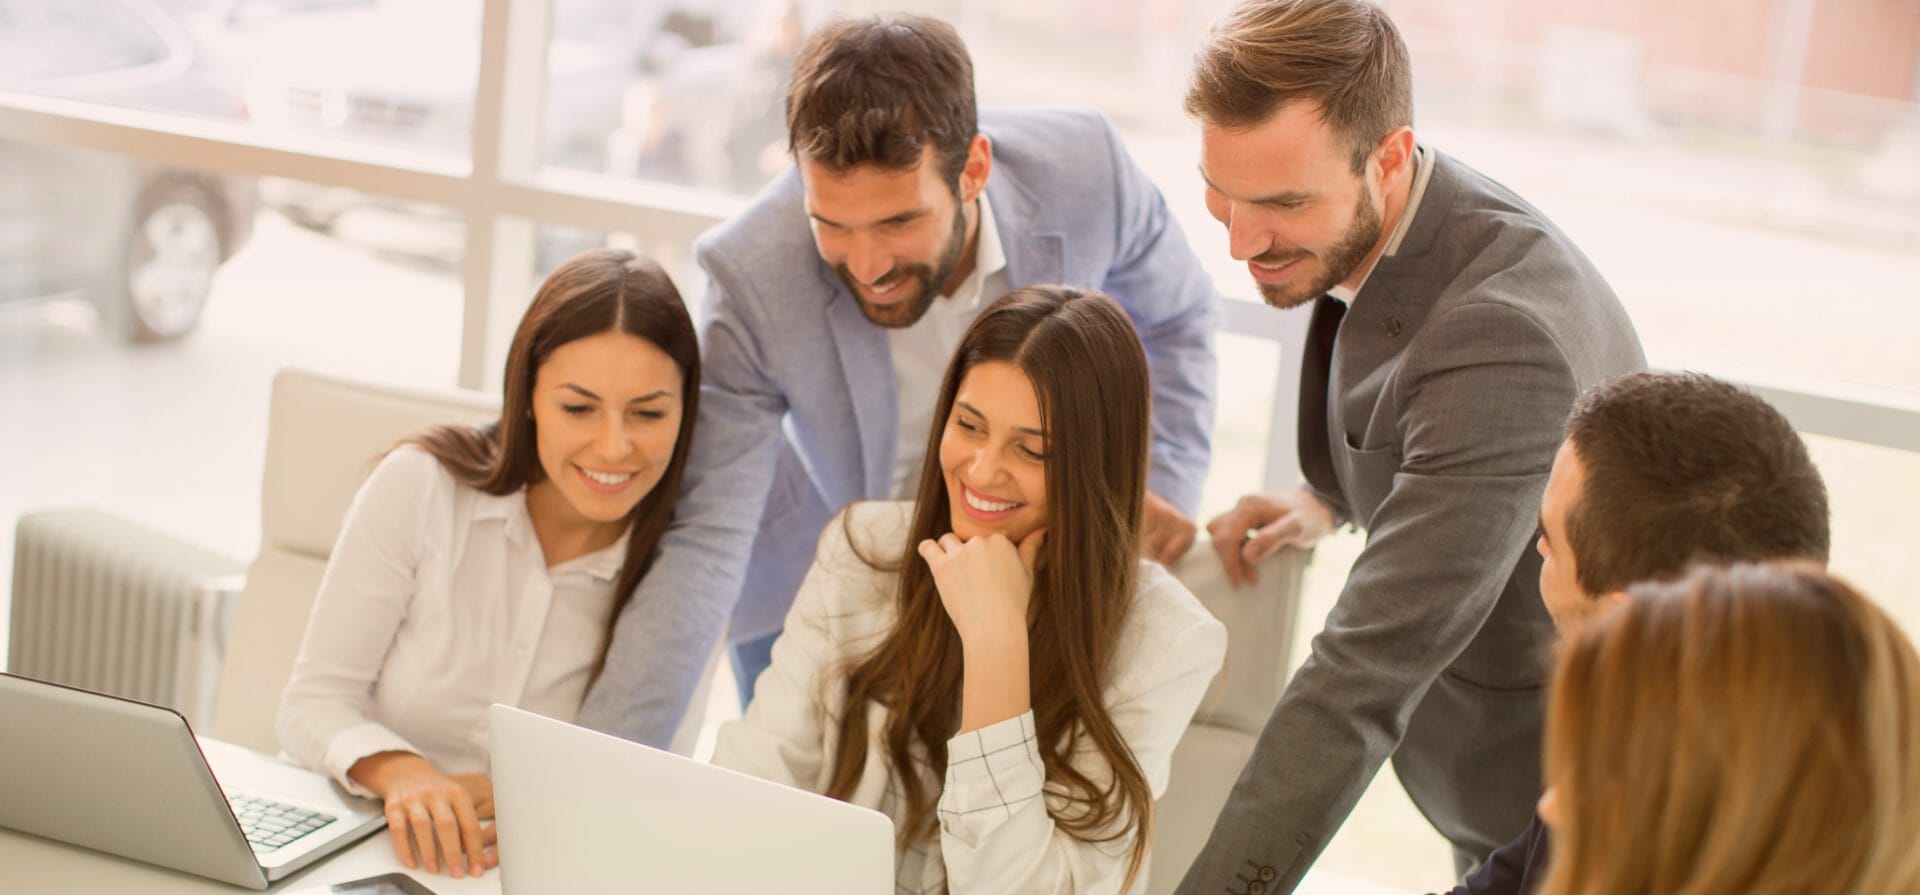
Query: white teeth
x=987 y=506
x=606 y=478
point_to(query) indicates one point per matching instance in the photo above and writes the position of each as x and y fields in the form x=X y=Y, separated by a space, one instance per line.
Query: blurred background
x=195 y=193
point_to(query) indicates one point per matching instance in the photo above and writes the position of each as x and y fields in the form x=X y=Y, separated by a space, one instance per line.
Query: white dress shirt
x=996 y=830
x=922 y=351
x=437 y=602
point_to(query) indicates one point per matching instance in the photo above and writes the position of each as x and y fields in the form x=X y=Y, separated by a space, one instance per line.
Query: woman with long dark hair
x=484 y=564
x=993 y=665
x=1752 y=729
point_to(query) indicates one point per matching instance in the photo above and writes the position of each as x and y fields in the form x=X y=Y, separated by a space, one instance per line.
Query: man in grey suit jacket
x=1452 y=328
x=833 y=306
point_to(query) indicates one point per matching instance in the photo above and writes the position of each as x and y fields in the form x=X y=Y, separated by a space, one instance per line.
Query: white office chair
x=324 y=434
x=1260 y=628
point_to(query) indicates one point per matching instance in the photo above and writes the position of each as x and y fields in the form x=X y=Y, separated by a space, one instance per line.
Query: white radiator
x=105 y=604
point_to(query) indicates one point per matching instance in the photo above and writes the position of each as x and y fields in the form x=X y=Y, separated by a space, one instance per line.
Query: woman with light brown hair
x=1752 y=729
x=992 y=665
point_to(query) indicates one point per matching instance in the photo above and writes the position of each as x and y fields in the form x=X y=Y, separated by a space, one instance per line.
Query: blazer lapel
x=866 y=359
x=1315 y=430
x=1035 y=250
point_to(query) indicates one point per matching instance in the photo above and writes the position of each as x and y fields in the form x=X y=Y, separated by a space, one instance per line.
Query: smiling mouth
x=1264 y=270
x=882 y=294
x=985 y=508
x=606 y=481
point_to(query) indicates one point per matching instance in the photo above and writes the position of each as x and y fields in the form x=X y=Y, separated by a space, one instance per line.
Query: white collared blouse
x=437 y=602
x=996 y=831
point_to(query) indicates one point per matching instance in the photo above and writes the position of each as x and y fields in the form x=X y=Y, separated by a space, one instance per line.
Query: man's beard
x=1338 y=263
x=925 y=279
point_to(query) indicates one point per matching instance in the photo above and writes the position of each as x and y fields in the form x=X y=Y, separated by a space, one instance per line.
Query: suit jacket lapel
x=1035 y=249
x=866 y=360
x=1316 y=428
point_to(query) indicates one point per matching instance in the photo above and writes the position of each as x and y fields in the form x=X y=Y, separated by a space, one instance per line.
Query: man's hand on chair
x=1260 y=524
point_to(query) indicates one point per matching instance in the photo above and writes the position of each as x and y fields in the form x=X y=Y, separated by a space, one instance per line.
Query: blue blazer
x=798 y=406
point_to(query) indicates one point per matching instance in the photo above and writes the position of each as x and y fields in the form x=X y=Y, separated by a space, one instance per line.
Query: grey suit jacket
x=798 y=408
x=1449 y=383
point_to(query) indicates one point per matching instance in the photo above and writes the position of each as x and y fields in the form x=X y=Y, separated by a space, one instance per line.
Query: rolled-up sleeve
x=992 y=773
x=997 y=832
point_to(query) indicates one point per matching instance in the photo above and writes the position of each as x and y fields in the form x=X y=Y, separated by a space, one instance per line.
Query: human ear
x=979 y=166
x=1394 y=153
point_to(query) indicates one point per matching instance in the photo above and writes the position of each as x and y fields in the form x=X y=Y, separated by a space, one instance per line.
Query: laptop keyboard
x=272 y=825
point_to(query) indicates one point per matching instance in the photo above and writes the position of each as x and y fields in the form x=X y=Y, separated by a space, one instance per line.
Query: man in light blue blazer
x=834 y=304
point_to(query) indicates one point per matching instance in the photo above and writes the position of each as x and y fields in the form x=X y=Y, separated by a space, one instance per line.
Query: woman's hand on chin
x=986 y=583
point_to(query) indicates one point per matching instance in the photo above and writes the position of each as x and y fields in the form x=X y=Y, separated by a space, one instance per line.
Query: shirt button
x=1256 y=887
x=1267 y=874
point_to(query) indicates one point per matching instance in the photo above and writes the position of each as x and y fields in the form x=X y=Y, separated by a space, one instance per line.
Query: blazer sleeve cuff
x=991 y=774
x=1339 y=509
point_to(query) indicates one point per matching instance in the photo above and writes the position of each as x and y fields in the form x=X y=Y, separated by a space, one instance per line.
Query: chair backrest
x=1260 y=622
x=324 y=434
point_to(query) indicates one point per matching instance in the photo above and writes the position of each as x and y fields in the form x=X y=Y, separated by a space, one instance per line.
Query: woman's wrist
x=378 y=771
x=997 y=636
x=994 y=681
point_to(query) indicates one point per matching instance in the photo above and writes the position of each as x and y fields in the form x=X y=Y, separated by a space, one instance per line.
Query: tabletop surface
x=29 y=864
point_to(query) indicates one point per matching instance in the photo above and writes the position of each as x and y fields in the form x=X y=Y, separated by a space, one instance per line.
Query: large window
x=171 y=432
x=375 y=186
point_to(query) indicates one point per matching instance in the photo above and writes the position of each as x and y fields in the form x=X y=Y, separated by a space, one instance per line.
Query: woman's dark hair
x=1089 y=375
x=604 y=290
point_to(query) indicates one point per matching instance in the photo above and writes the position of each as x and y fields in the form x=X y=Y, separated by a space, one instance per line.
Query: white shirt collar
x=603 y=563
x=511 y=509
x=1422 y=173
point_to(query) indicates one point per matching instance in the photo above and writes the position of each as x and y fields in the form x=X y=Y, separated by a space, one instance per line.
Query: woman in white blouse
x=483 y=564
x=992 y=665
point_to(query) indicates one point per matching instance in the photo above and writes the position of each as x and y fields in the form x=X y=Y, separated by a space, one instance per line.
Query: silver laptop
x=130 y=779
x=583 y=812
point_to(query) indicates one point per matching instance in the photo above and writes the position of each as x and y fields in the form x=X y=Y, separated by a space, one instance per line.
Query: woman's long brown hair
x=1754 y=729
x=1090 y=377
x=604 y=290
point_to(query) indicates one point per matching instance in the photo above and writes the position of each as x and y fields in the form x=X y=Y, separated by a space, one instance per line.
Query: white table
x=30 y=865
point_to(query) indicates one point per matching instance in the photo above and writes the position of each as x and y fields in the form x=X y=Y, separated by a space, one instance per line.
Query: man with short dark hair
x=1452 y=327
x=835 y=303
x=1660 y=470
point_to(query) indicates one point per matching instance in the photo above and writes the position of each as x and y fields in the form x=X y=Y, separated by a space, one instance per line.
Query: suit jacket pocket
x=1366 y=477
